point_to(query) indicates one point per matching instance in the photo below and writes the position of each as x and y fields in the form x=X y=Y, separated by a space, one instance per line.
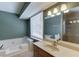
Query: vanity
x=45 y=49
x=39 y=52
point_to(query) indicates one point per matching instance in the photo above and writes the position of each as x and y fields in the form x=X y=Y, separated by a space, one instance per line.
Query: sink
x=50 y=45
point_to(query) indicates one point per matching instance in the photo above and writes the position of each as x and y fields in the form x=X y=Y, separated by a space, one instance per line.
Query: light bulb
x=49 y=13
x=63 y=7
x=55 y=10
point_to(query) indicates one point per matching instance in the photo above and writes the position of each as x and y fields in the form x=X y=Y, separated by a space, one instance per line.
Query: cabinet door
x=35 y=48
x=38 y=52
x=42 y=53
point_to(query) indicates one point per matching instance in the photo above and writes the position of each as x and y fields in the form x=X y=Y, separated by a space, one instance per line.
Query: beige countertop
x=60 y=51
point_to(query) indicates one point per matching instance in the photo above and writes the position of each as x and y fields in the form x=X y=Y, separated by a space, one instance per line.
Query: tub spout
x=1 y=46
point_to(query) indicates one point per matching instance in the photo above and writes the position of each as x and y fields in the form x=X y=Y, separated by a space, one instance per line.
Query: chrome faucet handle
x=1 y=46
x=55 y=42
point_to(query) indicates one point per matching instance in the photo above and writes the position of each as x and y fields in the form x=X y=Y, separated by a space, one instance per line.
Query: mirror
x=52 y=26
x=71 y=25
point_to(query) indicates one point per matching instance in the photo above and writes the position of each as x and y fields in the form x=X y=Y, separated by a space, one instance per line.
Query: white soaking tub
x=12 y=47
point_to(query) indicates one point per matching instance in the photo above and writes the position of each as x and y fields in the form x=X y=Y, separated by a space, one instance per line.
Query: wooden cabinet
x=38 y=52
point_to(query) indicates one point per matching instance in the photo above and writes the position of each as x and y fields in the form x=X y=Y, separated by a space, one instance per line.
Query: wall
x=11 y=26
x=12 y=7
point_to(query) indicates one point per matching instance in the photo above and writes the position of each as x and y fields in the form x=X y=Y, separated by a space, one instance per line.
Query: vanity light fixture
x=63 y=7
x=66 y=11
x=49 y=13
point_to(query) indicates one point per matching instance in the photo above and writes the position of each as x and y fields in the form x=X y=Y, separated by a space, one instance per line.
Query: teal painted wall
x=11 y=26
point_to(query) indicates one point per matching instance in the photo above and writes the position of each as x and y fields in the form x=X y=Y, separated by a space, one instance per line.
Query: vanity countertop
x=60 y=51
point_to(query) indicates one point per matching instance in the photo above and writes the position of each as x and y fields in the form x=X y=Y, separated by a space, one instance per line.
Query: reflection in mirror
x=52 y=27
x=71 y=25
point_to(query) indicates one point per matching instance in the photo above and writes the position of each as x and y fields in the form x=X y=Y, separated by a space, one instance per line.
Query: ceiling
x=12 y=7
x=30 y=10
x=35 y=7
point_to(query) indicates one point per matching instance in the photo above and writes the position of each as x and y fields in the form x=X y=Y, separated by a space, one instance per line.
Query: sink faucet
x=57 y=38
x=55 y=42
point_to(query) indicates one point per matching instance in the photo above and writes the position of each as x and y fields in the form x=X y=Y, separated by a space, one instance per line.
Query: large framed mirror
x=71 y=25
x=53 y=27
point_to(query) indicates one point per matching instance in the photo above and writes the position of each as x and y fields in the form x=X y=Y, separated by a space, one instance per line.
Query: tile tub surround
x=60 y=51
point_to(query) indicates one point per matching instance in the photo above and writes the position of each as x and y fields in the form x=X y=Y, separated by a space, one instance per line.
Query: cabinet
x=38 y=52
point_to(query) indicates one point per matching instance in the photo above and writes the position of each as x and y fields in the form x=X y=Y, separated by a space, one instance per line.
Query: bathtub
x=13 y=47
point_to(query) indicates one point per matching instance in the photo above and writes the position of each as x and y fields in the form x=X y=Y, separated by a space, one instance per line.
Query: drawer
x=38 y=52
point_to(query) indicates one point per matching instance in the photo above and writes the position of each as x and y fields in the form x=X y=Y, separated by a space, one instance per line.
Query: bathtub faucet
x=1 y=46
